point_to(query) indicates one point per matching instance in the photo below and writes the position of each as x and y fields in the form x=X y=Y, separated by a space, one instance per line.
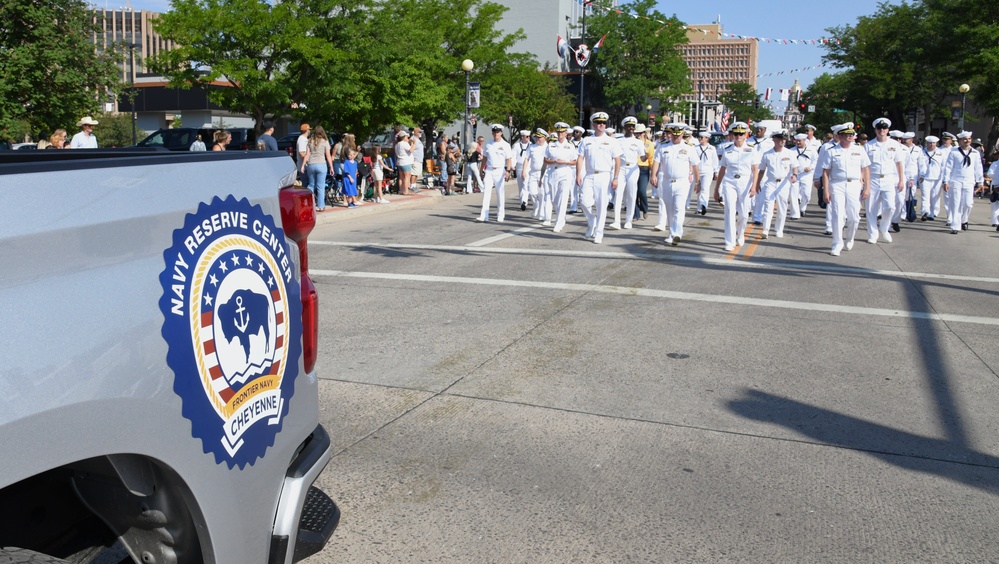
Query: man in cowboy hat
x=86 y=138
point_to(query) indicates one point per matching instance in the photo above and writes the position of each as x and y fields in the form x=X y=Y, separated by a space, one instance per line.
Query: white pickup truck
x=158 y=394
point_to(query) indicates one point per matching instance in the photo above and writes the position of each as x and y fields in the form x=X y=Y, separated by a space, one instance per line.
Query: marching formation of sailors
x=754 y=178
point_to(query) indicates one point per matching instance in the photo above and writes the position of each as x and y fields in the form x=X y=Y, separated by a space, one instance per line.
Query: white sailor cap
x=964 y=135
x=562 y=126
x=909 y=135
x=932 y=139
x=739 y=127
x=809 y=126
x=610 y=131
x=523 y=132
x=705 y=134
x=801 y=137
x=883 y=122
x=599 y=117
x=630 y=120
x=497 y=127
x=844 y=128
x=895 y=134
x=948 y=135
x=578 y=129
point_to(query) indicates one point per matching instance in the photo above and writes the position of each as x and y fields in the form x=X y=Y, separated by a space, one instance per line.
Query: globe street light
x=648 y=112
x=467 y=65
x=964 y=95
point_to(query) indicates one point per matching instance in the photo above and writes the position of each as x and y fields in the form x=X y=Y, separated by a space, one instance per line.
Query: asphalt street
x=502 y=393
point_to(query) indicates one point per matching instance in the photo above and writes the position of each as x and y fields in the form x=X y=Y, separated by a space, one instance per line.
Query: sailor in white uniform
x=530 y=171
x=806 y=158
x=632 y=149
x=560 y=159
x=778 y=173
x=673 y=166
x=887 y=180
x=707 y=165
x=520 y=149
x=597 y=172
x=962 y=175
x=931 y=162
x=737 y=175
x=498 y=156
x=845 y=173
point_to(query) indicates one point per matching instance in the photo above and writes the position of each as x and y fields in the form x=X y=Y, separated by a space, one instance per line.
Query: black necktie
x=704 y=153
x=967 y=157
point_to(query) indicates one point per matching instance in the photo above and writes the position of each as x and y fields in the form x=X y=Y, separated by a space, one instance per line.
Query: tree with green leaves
x=530 y=97
x=743 y=100
x=51 y=75
x=828 y=93
x=639 y=60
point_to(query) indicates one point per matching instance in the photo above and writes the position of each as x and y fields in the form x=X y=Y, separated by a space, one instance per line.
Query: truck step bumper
x=320 y=517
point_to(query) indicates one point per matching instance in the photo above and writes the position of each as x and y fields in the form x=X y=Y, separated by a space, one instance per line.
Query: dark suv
x=181 y=138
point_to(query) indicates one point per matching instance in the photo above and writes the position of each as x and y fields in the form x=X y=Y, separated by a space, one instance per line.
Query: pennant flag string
x=792 y=71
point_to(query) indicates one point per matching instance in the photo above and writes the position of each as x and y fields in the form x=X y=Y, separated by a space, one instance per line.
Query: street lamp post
x=466 y=66
x=697 y=119
x=964 y=96
x=131 y=74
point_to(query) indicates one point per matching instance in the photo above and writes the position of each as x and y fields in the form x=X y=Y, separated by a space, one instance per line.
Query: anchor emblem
x=242 y=321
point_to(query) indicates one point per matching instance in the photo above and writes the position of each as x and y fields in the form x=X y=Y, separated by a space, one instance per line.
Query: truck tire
x=22 y=556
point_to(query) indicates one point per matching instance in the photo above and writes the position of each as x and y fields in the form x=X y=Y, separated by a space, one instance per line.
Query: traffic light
x=802 y=106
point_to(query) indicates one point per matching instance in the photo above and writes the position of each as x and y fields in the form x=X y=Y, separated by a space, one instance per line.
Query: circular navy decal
x=231 y=305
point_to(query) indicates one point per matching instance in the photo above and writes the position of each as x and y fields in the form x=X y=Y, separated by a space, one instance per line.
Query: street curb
x=340 y=212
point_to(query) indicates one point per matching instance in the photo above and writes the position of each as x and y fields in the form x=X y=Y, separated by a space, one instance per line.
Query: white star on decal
x=270 y=280
x=249 y=260
x=223 y=267
x=235 y=260
x=208 y=299
x=260 y=268
x=213 y=280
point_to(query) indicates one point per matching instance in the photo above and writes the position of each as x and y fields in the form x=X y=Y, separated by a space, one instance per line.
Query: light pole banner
x=473 y=94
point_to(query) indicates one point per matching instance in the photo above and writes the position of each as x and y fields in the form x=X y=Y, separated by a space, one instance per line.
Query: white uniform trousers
x=593 y=198
x=961 y=196
x=563 y=183
x=844 y=208
x=522 y=185
x=930 y=204
x=881 y=202
x=673 y=194
x=706 y=183
x=493 y=180
x=534 y=191
x=735 y=194
x=545 y=197
x=776 y=193
x=627 y=190
x=574 y=196
x=994 y=215
x=801 y=194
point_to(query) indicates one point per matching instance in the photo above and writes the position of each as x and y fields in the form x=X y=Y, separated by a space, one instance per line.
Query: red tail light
x=298 y=218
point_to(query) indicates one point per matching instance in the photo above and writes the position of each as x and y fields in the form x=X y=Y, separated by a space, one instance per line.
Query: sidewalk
x=340 y=212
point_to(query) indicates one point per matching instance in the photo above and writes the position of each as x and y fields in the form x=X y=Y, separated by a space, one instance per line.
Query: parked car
x=25 y=146
x=181 y=138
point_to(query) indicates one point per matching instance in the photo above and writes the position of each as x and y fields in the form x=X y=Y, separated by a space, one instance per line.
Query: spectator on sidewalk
x=266 y=141
x=85 y=139
x=404 y=160
x=378 y=169
x=317 y=164
x=350 y=178
x=472 y=167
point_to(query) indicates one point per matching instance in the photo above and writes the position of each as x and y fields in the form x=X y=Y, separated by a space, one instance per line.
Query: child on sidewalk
x=350 y=178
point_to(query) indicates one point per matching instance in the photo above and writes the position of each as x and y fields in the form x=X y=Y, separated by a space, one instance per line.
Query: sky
x=802 y=20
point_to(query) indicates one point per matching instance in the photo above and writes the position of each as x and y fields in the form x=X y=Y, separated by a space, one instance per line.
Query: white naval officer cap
x=630 y=120
x=948 y=134
x=599 y=117
x=540 y=133
x=883 y=121
x=844 y=128
x=563 y=126
x=497 y=127
x=909 y=135
x=739 y=127
x=964 y=135
x=778 y=133
x=800 y=137
x=809 y=126
x=932 y=139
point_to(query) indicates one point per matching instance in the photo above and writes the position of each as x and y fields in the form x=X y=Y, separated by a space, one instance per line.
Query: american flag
x=724 y=122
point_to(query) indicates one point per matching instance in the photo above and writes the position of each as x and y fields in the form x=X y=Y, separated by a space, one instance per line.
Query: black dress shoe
x=895 y=227
x=704 y=210
x=931 y=218
x=925 y=216
x=523 y=206
x=757 y=223
x=964 y=227
x=997 y=228
x=953 y=231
